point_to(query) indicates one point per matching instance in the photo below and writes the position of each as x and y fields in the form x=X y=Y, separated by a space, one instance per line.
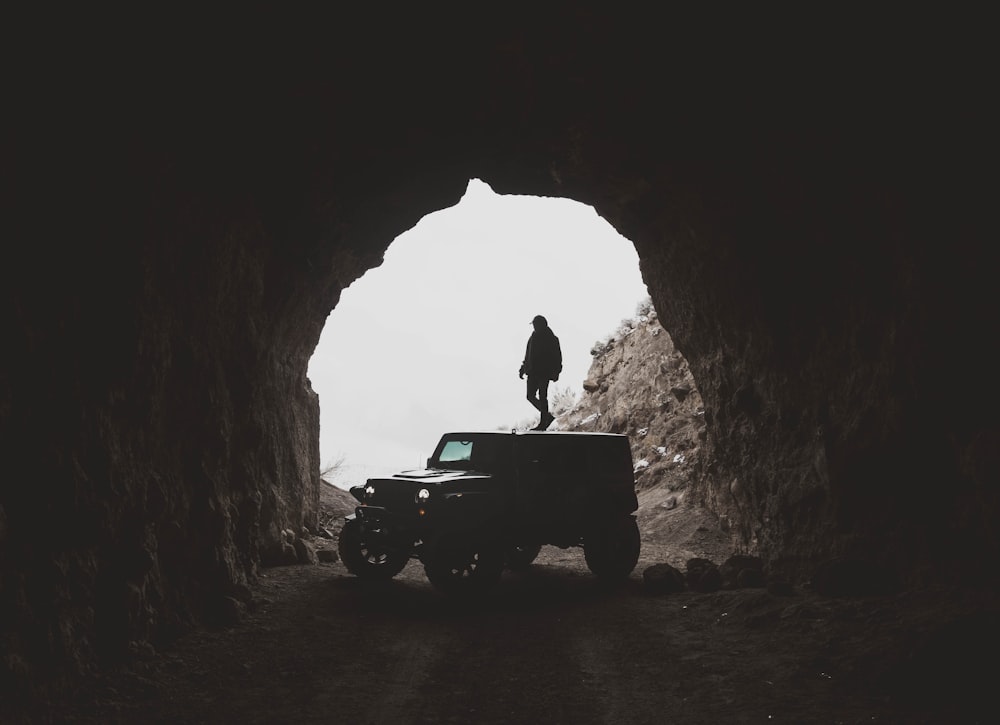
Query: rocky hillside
x=640 y=385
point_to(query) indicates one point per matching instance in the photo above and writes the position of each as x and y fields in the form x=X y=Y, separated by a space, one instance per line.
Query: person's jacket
x=542 y=356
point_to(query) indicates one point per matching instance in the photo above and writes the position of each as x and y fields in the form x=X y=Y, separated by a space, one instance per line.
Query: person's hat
x=539 y=318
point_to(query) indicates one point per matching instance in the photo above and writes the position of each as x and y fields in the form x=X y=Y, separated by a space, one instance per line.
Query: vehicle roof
x=561 y=433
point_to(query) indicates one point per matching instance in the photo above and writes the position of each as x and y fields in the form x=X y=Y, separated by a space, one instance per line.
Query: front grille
x=395 y=496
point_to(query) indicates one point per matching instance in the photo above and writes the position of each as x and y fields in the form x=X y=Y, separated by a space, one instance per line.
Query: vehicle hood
x=437 y=475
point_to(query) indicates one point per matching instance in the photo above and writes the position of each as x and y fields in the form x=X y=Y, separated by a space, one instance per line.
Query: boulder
x=662 y=579
x=305 y=553
x=327 y=556
x=702 y=575
x=749 y=578
x=735 y=564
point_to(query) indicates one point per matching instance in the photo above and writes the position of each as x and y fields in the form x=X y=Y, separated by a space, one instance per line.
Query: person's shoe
x=546 y=421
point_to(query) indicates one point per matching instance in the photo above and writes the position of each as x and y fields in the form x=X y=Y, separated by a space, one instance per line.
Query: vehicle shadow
x=540 y=588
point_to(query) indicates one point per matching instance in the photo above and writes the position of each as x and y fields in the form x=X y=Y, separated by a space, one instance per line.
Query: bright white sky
x=431 y=341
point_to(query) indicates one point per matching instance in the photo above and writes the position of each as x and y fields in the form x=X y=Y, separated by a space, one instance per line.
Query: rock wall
x=186 y=201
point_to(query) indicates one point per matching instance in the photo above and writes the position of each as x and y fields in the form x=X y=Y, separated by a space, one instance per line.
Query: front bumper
x=390 y=523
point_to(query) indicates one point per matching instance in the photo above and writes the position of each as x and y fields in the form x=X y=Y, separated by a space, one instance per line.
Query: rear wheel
x=612 y=551
x=520 y=556
x=463 y=563
x=367 y=555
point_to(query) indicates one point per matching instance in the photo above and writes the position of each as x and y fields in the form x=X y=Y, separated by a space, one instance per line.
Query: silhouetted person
x=542 y=363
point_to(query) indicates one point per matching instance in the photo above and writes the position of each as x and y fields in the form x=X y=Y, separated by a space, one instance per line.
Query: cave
x=808 y=210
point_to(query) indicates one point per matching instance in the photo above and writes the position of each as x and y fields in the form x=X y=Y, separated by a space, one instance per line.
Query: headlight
x=422 y=495
x=369 y=491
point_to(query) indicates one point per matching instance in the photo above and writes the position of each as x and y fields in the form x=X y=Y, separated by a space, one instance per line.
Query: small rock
x=327 y=556
x=696 y=567
x=703 y=575
x=662 y=579
x=750 y=578
x=305 y=552
x=735 y=564
x=711 y=581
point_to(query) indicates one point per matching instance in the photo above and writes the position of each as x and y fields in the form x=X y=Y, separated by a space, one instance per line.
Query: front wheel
x=366 y=555
x=612 y=551
x=463 y=563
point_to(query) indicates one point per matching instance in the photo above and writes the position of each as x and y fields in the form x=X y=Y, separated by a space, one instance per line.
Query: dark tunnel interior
x=186 y=202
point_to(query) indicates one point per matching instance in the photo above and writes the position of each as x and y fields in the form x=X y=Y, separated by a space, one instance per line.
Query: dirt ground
x=553 y=645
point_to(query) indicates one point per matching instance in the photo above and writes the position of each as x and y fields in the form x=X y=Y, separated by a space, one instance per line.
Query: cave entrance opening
x=432 y=339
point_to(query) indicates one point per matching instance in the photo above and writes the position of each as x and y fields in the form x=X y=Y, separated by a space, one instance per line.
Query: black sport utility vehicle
x=487 y=500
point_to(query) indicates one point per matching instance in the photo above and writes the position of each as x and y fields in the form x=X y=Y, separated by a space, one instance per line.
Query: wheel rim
x=466 y=568
x=374 y=554
x=373 y=557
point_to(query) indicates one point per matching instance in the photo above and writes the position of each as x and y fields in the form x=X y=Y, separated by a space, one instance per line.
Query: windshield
x=471 y=451
x=456 y=452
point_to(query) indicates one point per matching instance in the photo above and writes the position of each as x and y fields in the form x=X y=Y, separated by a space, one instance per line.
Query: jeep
x=491 y=500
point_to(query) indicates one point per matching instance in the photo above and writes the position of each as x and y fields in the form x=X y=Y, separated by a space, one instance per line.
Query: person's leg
x=533 y=393
x=547 y=416
x=543 y=397
x=538 y=396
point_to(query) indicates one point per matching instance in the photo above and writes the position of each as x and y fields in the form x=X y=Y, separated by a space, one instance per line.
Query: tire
x=464 y=564
x=520 y=556
x=366 y=559
x=613 y=551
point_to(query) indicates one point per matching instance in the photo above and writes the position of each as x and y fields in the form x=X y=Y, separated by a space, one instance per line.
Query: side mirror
x=428 y=463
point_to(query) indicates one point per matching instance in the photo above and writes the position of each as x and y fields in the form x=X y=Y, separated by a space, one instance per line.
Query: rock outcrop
x=640 y=385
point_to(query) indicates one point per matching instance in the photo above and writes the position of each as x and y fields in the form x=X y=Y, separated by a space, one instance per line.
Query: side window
x=455 y=451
